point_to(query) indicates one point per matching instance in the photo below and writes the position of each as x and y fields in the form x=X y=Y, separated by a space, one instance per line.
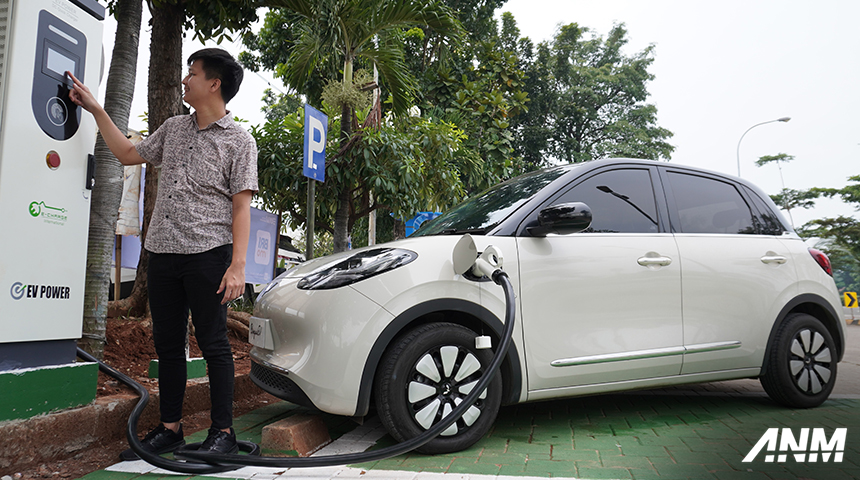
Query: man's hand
x=233 y=283
x=80 y=95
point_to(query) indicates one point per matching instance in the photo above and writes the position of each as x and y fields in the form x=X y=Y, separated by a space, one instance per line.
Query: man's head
x=218 y=64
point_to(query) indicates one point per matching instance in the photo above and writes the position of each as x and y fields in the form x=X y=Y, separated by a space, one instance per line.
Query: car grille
x=279 y=385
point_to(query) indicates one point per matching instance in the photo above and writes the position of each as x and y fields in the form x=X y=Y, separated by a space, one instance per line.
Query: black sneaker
x=161 y=440
x=220 y=442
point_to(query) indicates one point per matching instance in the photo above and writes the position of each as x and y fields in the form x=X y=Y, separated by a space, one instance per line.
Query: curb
x=62 y=434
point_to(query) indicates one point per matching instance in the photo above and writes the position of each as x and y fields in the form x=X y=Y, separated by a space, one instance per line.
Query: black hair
x=217 y=63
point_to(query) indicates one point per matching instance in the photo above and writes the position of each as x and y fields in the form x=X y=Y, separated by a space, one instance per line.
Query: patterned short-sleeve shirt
x=201 y=170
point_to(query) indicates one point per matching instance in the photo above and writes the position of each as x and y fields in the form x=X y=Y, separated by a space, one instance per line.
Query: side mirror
x=562 y=219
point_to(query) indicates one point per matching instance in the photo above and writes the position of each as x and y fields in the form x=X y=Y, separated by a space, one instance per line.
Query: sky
x=720 y=68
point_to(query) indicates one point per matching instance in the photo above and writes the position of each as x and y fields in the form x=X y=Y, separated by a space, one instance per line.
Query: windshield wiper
x=456 y=231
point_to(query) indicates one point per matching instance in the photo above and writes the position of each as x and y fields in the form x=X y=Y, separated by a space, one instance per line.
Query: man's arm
x=121 y=146
x=233 y=283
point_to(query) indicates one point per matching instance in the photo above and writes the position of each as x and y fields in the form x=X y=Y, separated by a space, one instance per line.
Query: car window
x=621 y=201
x=768 y=221
x=706 y=205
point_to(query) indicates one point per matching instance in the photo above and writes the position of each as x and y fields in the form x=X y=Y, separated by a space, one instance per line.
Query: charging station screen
x=59 y=63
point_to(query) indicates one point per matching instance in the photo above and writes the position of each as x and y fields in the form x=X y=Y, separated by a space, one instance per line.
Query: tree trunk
x=341 y=215
x=164 y=98
x=107 y=190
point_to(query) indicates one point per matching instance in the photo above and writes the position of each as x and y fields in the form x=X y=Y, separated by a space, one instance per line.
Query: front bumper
x=279 y=385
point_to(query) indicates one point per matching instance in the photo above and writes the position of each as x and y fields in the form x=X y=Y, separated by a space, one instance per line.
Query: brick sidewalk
x=662 y=434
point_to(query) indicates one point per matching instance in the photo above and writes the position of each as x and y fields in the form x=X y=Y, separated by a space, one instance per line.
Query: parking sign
x=316 y=128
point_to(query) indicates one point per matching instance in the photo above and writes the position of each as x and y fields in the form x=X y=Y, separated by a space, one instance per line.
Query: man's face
x=197 y=86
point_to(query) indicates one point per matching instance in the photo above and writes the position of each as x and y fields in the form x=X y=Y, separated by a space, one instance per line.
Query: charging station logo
x=49 y=214
x=52 y=292
x=835 y=446
x=18 y=290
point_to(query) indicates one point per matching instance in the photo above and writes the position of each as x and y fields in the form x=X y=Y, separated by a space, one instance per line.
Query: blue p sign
x=316 y=128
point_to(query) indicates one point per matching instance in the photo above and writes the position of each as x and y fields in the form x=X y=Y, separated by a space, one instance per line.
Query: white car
x=684 y=276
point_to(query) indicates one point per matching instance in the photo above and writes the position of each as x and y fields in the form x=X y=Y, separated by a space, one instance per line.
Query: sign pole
x=309 y=246
x=316 y=129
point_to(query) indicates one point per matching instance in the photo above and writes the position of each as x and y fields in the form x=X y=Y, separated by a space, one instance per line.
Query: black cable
x=220 y=462
x=134 y=418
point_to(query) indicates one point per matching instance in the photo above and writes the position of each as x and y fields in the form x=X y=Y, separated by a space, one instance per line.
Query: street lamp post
x=783 y=119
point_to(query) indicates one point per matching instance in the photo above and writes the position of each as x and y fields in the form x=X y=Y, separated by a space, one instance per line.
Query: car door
x=735 y=277
x=603 y=305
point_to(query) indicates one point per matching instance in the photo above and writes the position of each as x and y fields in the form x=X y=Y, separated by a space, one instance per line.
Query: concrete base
x=196 y=368
x=29 y=392
x=303 y=434
x=63 y=434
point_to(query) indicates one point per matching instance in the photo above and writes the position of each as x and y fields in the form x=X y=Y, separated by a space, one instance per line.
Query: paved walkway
x=695 y=432
x=664 y=434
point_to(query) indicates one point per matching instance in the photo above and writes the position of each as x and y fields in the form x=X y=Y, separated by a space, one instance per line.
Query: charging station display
x=46 y=146
x=60 y=48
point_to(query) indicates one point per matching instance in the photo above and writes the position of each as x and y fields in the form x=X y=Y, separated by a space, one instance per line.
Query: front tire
x=801 y=369
x=424 y=375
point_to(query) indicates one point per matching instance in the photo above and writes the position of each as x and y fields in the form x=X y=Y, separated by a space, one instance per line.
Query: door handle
x=653 y=260
x=770 y=258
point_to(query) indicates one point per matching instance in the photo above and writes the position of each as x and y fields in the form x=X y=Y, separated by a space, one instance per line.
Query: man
x=197 y=238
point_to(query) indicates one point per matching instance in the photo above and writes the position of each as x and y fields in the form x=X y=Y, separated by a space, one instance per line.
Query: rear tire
x=801 y=368
x=424 y=375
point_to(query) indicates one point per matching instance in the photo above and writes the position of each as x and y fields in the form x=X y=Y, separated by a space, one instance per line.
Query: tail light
x=822 y=260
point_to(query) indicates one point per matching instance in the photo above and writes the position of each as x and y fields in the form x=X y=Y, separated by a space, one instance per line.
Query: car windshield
x=483 y=211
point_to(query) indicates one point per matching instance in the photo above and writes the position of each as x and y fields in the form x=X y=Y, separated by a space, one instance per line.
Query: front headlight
x=357 y=268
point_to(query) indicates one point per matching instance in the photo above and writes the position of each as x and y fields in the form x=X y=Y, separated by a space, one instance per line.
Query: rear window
x=706 y=205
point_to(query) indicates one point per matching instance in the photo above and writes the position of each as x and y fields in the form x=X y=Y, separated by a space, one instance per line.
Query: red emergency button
x=53 y=160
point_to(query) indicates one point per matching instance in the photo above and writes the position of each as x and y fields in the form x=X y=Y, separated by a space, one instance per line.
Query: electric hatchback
x=683 y=276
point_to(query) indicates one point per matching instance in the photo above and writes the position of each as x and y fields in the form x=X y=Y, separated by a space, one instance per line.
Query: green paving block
x=660 y=440
x=571 y=454
x=701 y=458
x=104 y=475
x=735 y=475
x=645 y=474
x=597 y=443
x=550 y=468
x=196 y=368
x=530 y=448
x=670 y=470
x=625 y=461
x=513 y=470
x=29 y=392
x=650 y=451
x=600 y=473
x=472 y=467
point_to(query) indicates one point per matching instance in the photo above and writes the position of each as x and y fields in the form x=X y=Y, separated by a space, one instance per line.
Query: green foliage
x=840 y=237
x=323 y=32
x=789 y=199
x=589 y=99
x=780 y=157
x=278 y=106
x=405 y=166
x=216 y=18
x=482 y=103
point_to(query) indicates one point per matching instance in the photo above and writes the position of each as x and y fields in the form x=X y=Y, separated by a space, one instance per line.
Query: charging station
x=46 y=168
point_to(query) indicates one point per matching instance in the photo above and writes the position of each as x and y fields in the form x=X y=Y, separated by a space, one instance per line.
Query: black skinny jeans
x=177 y=283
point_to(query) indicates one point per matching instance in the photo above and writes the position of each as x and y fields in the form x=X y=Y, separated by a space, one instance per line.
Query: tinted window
x=709 y=206
x=768 y=221
x=487 y=209
x=621 y=201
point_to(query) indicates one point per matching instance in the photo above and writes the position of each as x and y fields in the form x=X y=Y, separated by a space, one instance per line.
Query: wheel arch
x=462 y=312
x=815 y=306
